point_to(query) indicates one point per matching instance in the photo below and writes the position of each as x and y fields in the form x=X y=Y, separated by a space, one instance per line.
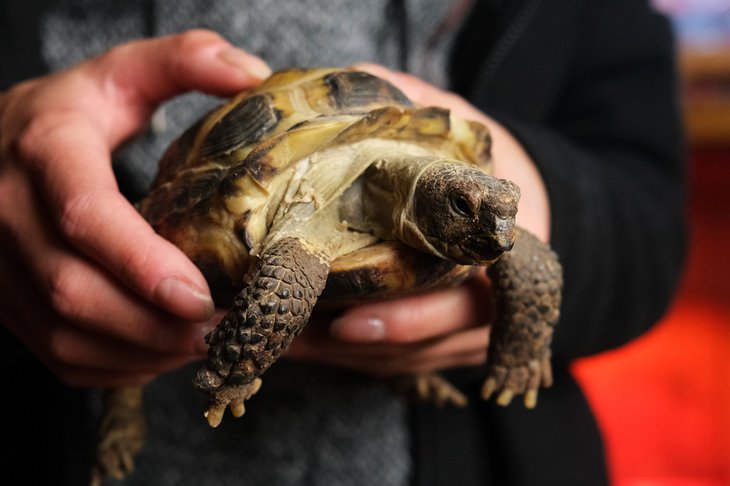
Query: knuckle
x=65 y=292
x=30 y=146
x=26 y=144
x=14 y=112
x=74 y=216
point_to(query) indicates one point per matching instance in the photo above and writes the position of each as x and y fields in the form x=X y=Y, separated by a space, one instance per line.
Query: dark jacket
x=589 y=88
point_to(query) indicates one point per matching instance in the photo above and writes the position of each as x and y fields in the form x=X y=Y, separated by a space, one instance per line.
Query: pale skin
x=103 y=301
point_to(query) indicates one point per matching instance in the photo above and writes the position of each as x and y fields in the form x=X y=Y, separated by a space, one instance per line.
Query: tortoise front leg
x=528 y=283
x=263 y=320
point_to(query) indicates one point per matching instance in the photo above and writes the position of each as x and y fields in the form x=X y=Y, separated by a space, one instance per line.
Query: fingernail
x=358 y=329
x=249 y=63
x=184 y=299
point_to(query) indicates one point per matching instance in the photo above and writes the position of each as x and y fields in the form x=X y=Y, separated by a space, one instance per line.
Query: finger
x=95 y=342
x=90 y=298
x=73 y=347
x=467 y=348
x=73 y=375
x=419 y=317
x=137 y=76
x=70 y=374
x=85 y=377
x=74 y=172
x=464 y=342
x=77 y=357
x=50 y=278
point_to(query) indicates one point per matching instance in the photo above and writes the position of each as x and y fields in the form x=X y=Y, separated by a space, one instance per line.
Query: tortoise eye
x=461 y=206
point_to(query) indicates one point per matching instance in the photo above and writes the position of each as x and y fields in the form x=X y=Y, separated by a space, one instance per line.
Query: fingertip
x=208 y=62
x=358 y=329
x=150 y=71
x=249 y=65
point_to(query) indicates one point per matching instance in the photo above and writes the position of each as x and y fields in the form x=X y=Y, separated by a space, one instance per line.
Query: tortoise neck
x=385 y=195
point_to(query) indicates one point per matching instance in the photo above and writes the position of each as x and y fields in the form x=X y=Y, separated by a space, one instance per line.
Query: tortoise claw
x=519 y=380
x=431 y=388
x=232 y=396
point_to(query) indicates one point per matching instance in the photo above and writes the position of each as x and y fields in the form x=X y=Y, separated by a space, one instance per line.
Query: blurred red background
x=664 y=401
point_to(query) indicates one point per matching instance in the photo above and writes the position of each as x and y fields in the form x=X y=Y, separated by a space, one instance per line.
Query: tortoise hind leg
x=528 y=283
x=121 y=433
x=264 y=318
x=430 y=388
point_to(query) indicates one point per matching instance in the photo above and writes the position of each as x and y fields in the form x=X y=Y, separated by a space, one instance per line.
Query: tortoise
x=329 y=184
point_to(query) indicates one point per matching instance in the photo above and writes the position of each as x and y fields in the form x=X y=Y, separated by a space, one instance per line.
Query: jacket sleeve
x=610 y=151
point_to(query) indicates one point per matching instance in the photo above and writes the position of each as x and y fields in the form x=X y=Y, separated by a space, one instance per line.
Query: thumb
x=75 y=119
x=137 y=76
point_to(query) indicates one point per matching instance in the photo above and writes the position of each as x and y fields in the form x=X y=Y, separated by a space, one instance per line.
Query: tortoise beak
x=504 y=233
x=486 y=243
x=486 y=250
x=505 y=244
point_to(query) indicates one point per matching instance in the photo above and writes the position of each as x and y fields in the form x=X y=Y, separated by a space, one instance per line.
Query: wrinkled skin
x=457 y=204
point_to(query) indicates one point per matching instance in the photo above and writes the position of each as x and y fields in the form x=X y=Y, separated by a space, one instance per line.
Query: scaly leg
x=264 y=318
x=528 y=282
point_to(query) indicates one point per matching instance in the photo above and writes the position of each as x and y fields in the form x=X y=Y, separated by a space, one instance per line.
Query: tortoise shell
x=221 y=183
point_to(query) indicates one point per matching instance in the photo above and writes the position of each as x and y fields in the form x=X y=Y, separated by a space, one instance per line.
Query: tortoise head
x=465 y=214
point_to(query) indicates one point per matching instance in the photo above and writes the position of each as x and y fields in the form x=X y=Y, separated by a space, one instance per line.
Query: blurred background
x=664 y=400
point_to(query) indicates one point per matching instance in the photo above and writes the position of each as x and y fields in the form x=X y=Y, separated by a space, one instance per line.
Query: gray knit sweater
x=309 y=425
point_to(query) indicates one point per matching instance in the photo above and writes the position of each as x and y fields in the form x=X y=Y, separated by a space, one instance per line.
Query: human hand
x=84 y=281
x=411 y=335
x=438 y=330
